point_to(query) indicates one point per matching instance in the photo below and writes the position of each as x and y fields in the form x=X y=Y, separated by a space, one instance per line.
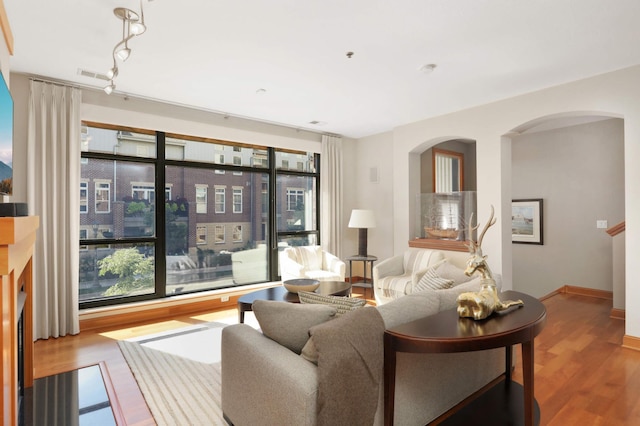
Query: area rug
x=178 y=373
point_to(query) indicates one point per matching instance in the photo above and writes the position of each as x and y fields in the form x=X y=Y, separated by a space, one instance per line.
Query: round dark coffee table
x=327 y=288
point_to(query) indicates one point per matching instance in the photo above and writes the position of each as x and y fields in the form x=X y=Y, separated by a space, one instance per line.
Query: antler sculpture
x=481 y=304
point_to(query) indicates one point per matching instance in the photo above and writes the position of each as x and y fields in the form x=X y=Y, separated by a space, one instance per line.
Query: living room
x=500 y=129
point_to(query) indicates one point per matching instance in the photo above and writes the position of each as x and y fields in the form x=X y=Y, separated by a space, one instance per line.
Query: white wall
x=578 y=171
x=361 y=193
x=492 y=125
x=115 y=109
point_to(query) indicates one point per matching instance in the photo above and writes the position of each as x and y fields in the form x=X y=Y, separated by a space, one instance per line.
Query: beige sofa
x=266 y=383
x=398 y=275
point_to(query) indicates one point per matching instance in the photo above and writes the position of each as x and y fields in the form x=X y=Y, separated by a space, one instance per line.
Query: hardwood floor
x=583 y=376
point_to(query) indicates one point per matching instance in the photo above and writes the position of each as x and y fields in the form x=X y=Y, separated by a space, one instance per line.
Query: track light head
x=137 y=28
x=113 y=72
x=110 y=88
x=123 y=54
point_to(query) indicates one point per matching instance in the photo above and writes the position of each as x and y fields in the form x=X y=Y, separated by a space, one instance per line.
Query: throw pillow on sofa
x=342 y=304
x=451 y=272
x=432 y=281
x=288 y=323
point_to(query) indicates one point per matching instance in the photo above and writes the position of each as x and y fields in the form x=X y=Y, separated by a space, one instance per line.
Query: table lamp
x=362 y=219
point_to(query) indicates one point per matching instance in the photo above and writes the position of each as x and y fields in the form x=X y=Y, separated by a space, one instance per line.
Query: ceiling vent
x=92 y=74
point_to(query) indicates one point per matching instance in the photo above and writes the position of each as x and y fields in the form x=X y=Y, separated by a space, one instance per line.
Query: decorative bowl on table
x=301 y=284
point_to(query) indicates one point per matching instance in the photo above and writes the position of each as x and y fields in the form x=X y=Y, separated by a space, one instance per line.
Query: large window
x=220 y=194
x=237 y=200
x=84 y=197
x=295 y=199
x=103 y=200
x=201 y=199
x=131 y=250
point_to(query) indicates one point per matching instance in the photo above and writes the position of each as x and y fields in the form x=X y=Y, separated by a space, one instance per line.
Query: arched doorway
x=575 y=163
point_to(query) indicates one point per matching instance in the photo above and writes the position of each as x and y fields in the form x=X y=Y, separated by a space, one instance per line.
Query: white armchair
x=310 y=262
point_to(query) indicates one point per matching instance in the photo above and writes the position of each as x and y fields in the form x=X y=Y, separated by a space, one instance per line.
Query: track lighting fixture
x=110 y=88
x=113 y=72
x=132 y=25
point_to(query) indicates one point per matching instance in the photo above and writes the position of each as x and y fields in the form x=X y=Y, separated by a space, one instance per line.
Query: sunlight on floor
x=142 y=330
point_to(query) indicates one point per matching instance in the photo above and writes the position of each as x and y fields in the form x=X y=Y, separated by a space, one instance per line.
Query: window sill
x=169 y=307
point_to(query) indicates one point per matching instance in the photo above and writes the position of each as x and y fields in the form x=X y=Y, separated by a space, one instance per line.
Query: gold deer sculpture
x=479 y=305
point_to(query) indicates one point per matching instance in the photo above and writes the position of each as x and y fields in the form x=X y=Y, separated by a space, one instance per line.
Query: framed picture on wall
x=526 y=221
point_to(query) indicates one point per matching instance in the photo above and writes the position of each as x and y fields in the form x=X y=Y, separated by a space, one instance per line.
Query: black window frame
x=158 y=240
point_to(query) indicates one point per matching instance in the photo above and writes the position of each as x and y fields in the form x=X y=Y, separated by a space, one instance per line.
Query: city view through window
x=220 y=204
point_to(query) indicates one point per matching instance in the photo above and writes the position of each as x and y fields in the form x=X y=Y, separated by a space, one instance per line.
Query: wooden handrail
x=616 y=229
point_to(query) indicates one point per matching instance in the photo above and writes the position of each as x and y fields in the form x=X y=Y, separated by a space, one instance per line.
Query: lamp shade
x=362 y=219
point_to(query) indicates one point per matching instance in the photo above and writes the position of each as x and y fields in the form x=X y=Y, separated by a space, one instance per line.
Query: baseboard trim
x=583 y=291
x=618 y=314
x=631 y=342
x=550 y=295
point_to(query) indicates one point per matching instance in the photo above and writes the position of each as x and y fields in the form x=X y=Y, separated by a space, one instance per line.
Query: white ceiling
x=215 y=54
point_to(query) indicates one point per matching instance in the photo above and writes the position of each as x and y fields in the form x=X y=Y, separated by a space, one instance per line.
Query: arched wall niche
x=563 y=119
x=420 y=170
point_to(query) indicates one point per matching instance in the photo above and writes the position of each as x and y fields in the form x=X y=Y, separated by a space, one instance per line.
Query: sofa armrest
x=334 y=264
x=263 y=382
x=392 y=266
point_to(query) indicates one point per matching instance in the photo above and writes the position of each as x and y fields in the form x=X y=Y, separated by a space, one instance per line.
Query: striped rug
x=179 y=374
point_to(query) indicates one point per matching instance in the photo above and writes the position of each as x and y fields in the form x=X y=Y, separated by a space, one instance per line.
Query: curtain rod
x=55 y=83
x=82 y=86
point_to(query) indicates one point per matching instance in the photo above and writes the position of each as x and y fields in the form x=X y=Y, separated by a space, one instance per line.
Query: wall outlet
x=601 y=224
x=224 y=299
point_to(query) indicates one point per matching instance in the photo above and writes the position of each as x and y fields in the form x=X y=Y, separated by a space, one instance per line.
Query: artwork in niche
x=526 y=221
x=6 y=138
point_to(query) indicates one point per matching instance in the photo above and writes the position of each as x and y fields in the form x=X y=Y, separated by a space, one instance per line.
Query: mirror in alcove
x=448 y=171
x=448 y=185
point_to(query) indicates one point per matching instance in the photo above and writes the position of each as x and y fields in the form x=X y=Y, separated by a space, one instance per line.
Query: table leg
x=527 y=373
x=389 y=380
x=508 y=362
x=364 y=291
x=241 y=314
x=350 y=276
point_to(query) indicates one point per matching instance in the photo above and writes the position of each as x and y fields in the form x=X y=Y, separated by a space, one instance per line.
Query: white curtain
x=331 y=195
x=53 y=179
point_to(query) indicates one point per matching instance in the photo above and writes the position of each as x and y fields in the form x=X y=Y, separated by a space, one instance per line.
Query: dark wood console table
x=446 y=332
